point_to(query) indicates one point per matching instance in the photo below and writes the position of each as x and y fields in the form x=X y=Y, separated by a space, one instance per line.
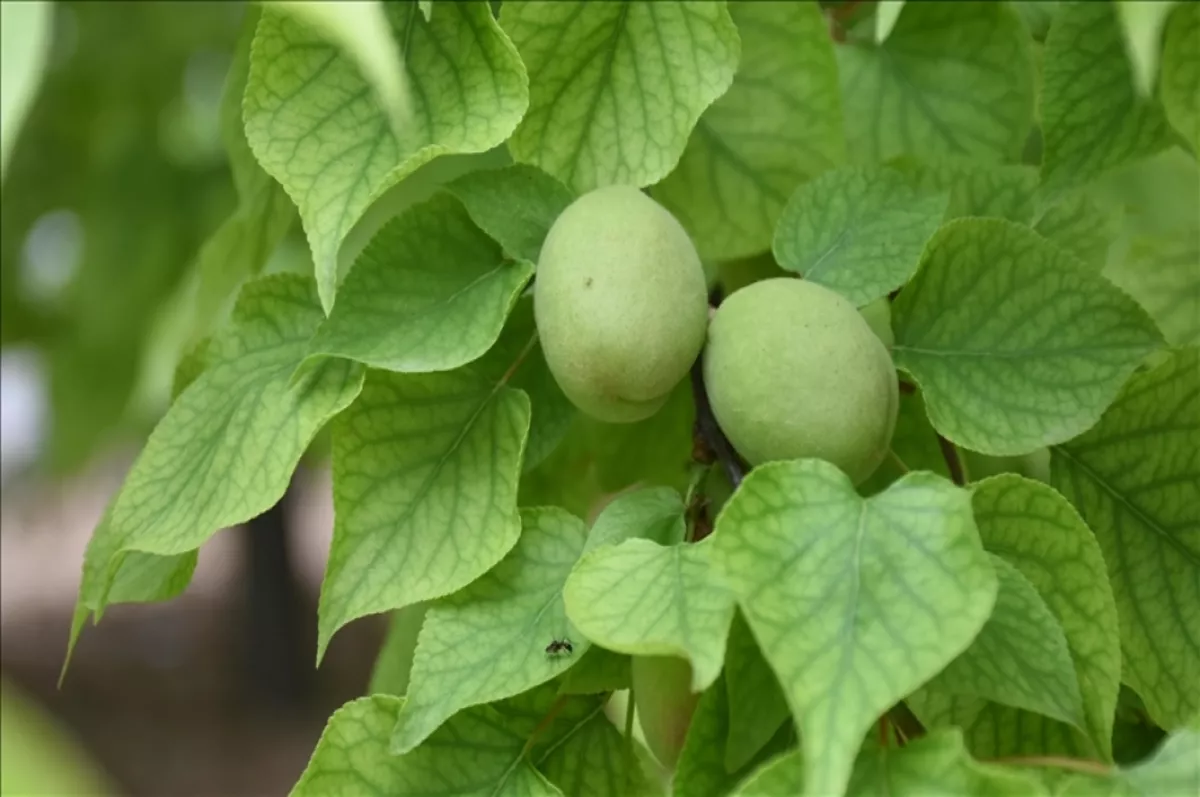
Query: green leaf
x=393 y=665
x=242 y=244
x=515 y=206
x=425 y=470
x=652 y=513
x=592 y=758
x=1079 y=225
x=855 y=602
x=701 y=770
x=781 y=775
x=951 y=79
x=27 y=38
x=553 y=412
x=1037 y=531
x=1180 y=89
x=1092 y=116
x=361 y=30
x=886 y=14
x=859 y=231
x=476 y=753
x=314 y=125
x=1020 y=658
x=657 y=450
x=1173 y=769
x=1015 y=343
x=489 y=640
x=1134 y=479
x=757 y=707
x=914 y=443
x=429 y=293
x=1142 y=27
x=1004 y=191
x=778 y=125
x=599 y=670
x=226 y=449
x=616 y=88
x=936 y=764
x=646 y=599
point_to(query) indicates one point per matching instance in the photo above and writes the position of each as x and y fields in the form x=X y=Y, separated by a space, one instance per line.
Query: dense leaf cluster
x=1014 y=593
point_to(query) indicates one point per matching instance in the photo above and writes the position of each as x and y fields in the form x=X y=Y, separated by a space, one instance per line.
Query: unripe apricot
x=662 y=692
x=793 y=370
x=621 y=303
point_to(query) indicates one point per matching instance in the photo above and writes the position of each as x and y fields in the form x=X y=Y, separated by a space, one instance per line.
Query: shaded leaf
x=1142 y=27
x=854 y=602
x=489 y=640
x=515 y=205
x=951 y=79
x=1079 y=226
x=593 y=758
x=1015 y=343
x=393 y=665
x=1180 y=89
x=858 y=231
x=1020 y=658
x=616 y=88
x=646 y=599
x=999 y=190
x=1173 y=769
x=757 y=707
x=1092 y=116
x=779 y=124
x=652 y=513
x=599 y=670
x=27 y=40
x=1134 y=478
x=314 y=125
x=430 y=292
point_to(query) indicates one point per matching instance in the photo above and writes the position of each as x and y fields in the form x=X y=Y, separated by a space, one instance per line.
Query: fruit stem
x=1075 y=764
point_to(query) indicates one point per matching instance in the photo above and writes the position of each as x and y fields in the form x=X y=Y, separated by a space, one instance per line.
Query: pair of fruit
x=791 y=368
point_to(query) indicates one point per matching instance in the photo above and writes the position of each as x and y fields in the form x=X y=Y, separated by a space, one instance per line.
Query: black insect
x=559 y=647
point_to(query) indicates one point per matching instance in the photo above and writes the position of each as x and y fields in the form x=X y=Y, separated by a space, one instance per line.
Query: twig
x=899 y=462
x=953 y=464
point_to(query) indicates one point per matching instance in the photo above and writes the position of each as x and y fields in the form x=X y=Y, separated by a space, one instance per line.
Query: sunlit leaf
x=314 y=124
x=780 y=123
x=1142 y=27
x=489 y=640
x=1000 y=190
x=616 y=88
x=27 y=38
x=1015 y=343
x=855 y=602
x=1134 y=478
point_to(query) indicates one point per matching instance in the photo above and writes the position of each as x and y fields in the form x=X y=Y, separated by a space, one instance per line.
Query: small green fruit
x=662 y=693
x=792 y=370
x=620 y=302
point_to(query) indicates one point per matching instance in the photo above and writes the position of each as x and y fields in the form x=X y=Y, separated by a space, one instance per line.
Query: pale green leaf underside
x=488 y=641
x=1135 y=478
x=854 y=602
x=1000 y=190
x=314 y=123
x=652 y=513
x=361 y=30
x=430 y=292
x=28 y=37
x=1180 y=87
x=1020 y=658
x=425 y=471
x=1036 y=530
x=647 y=599
x=1016 y=344
x=757 y=706
x=778 y=125
x=476 y=753
x=887 y=12
x=859 y=231
x=1142 y=29
x=951 y=79
x=226 y=449
x=616 y=88
x=516 y=205
x=1093 y=118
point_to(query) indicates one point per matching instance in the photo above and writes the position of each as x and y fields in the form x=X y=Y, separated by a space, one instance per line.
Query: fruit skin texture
x=662 y=693
x=621 y=303
x=793 y=370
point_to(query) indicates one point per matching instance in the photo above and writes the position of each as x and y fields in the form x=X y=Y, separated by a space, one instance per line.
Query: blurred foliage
x=36 y=757
x=114 y=181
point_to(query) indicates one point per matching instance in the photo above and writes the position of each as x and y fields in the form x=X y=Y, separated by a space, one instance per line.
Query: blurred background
x=114 y=174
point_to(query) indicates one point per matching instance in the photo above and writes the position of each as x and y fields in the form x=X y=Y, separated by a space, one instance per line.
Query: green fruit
x=792 y=371
x=662 y=693
x=620 y=302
